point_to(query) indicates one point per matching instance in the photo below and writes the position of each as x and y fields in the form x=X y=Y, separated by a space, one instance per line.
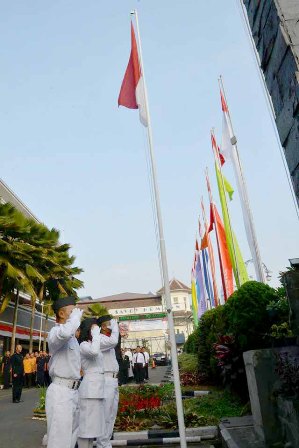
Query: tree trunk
x=14 y=325
x=45 y=333
x=31 y=324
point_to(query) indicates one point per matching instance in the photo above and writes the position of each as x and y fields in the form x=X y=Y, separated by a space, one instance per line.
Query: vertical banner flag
x=224 y=258
x=200 y=289
x=132 y=92
x=206 y=243
x=229 y=150
x=194 y=298
x=206 y=273
x=239 y=268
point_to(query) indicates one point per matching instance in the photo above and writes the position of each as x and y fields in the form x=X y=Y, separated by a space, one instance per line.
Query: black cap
x=105 y=318
x=63 y=301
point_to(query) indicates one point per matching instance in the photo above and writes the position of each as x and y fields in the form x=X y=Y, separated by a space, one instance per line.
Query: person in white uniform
x=91 y=392
x=128 y=353
x=62 y=408
x=109 y=340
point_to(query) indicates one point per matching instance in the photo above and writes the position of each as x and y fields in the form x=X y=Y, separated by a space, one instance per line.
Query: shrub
x=188 y=363
x=246 y=315
x=211 y=325
x=191 y=345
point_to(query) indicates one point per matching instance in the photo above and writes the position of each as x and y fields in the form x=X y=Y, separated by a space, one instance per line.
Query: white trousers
x=62 y=411
x=111 y=407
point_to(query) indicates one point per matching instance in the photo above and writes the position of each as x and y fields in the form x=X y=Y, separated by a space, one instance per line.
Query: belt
x=70 y=383
x=111 y=374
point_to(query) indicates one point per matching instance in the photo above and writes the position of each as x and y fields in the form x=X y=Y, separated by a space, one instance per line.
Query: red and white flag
x=132 y=92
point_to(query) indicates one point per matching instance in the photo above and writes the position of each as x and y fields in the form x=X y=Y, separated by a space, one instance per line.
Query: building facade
x=145 y=319
x=275 y=31
x=180 y=295
x=41 y=325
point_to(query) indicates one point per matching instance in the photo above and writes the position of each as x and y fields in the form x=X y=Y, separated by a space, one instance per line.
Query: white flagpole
x=174 y=357
x=247 y=214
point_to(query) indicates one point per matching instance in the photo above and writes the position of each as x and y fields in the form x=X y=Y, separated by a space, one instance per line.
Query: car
x=160 y=359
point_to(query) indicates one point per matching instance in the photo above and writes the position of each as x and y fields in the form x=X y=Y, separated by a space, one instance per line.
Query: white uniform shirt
x=108 y=343
x=64 y=350
x=138 y=358
x=146 y=357
x=92 y=385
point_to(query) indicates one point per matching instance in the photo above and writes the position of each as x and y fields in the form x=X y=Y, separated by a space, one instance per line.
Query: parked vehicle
x=160 y=359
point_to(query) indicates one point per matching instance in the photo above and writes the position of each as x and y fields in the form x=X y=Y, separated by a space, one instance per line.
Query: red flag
x=204 y=241
x=132 y=94
x=217 y=149
x=223 y=102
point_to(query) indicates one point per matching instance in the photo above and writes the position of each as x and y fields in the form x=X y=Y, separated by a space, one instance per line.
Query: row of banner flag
x=205 y=294
x=233 y=272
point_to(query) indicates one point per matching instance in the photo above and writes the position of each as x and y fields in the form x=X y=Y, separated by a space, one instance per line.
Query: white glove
x=75 y=316
x=113 y=324
x=95 y=331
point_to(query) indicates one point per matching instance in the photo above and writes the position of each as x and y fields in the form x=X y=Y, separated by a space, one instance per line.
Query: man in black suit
x=17 y=373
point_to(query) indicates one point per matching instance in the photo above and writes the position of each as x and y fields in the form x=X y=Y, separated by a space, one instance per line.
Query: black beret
x=63 y=301
x=105 y=318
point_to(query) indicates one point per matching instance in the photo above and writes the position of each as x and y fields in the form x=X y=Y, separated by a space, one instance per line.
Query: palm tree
x=95 y=310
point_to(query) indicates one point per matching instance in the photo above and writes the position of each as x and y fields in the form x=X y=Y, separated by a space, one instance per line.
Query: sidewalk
x=17 y=429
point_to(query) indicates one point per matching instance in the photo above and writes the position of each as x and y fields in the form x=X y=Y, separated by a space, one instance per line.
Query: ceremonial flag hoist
x=133 y=95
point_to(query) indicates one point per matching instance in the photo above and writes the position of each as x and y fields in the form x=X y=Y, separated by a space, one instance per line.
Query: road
x=18 y=430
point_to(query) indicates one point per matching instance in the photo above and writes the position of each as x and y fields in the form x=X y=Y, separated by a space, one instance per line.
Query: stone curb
x=206 y=432
x=158 y=441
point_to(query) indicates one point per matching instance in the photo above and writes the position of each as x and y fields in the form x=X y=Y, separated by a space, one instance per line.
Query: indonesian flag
x=132 y=93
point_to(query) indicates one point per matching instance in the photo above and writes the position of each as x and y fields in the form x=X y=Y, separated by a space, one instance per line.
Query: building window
x=185 y=302
x=175 y=300
x=177 y=331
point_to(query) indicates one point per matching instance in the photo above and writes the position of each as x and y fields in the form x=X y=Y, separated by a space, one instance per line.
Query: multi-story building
x=180 y=295
x=24 y=309
x=146 y=318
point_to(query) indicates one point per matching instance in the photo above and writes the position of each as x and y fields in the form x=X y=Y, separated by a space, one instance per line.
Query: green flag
x=239 y=267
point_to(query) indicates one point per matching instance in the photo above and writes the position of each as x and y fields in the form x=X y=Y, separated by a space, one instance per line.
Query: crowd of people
x=134 y=365
x=28 y=371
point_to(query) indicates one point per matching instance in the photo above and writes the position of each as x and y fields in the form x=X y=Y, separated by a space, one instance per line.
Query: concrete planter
x=288 y=414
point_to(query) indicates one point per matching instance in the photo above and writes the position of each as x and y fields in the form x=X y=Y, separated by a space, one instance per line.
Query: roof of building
x=9 y=196
x=126 y=296
x=175 y=285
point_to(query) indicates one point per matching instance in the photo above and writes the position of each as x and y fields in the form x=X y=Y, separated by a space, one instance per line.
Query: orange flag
x=224 y=258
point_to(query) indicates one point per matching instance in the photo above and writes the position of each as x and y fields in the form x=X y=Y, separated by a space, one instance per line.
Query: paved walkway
x=17 y=429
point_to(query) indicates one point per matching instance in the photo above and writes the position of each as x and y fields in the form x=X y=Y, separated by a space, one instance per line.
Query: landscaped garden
x=148 y=407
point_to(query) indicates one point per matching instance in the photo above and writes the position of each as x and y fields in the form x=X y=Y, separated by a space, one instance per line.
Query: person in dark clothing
x=6 y=370
x=40 y=369
x=17 y=372
x=47 y=376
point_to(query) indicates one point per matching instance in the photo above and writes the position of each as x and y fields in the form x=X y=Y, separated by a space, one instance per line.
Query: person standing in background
x=33 y=368
x=27 y=370
x=139 y=363
x=146 y=360
x=17 y=373
x=40 y=369
x=6 y=370
x=128 y=353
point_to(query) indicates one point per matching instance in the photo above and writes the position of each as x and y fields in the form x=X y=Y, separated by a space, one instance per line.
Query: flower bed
x=148 y=407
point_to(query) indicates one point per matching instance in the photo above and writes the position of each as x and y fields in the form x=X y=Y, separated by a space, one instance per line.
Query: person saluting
x=62 y=398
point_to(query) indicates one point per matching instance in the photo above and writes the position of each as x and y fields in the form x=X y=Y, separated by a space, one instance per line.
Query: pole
x=247 y=214
x=174 y=358
x=218 y=165
x=40 y=328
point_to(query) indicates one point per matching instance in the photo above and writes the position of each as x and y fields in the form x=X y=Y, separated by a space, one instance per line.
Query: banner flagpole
x=164 y=267
x=247 y=213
